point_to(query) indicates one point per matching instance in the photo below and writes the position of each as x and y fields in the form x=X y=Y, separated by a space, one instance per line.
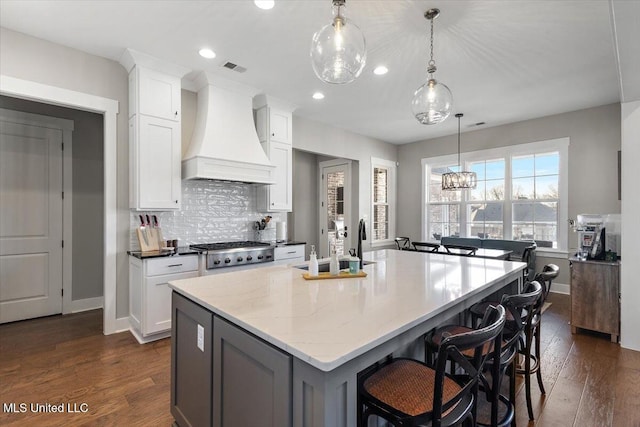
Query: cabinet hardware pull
x=174 y=265
x=176 y=201
x=291 y=252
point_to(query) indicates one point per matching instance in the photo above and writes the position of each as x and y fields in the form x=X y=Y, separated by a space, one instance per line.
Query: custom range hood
x=225 y=145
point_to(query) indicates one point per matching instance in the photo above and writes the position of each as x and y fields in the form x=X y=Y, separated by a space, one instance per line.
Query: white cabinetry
x=289 y=254
x=154 y=140
x=274 y=128
x=150 y=295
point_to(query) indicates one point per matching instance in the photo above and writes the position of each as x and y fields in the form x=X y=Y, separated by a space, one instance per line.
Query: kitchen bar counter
x=329 y=330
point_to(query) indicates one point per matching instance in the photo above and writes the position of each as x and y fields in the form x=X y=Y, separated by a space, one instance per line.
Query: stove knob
x=227 y=261
x=268 y=256
x=260 y=257
x=239 y=259
x=249 y=257
x=216 y=262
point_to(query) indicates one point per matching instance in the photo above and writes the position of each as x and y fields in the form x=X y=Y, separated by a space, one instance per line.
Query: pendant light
x=432 y=101
x=338 y=50
x=459 y=180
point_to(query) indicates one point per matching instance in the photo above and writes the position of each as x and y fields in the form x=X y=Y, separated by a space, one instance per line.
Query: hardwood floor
x=66 y=359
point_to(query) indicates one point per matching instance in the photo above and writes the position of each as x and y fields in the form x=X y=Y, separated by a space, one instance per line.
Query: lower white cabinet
x=289 y=254
x=150 y=295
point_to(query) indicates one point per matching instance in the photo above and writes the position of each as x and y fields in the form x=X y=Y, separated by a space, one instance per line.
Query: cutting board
x=342 y=275
x=151 y=243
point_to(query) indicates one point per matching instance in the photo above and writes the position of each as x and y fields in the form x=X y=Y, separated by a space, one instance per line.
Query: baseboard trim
x=86 y=304
x=122 y=324
x=560 y=288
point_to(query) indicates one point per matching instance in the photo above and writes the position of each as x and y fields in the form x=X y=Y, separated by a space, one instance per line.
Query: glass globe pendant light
x=338 y=50
x=459 y=180
x=432 y=102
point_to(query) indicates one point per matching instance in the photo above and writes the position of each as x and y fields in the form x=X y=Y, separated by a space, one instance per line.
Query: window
x=382 y=201
x=521 y=195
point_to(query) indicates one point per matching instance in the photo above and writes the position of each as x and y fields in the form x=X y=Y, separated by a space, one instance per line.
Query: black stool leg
x=539 y=371
x=527 y=376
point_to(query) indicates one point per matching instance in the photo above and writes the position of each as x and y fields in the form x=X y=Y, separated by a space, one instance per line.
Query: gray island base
x=266 y=347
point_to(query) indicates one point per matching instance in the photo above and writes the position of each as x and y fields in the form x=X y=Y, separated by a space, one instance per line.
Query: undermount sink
x=324 y=266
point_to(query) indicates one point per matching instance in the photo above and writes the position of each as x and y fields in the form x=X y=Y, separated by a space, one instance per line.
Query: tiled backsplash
x=212 y=211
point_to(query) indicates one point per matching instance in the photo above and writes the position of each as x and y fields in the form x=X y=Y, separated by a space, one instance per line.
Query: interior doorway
x=335 y=207
x=108 y=109
x=31 y=215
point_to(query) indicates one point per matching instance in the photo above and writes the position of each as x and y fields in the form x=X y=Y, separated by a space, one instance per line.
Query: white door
x=335 y=207
x=30 y=221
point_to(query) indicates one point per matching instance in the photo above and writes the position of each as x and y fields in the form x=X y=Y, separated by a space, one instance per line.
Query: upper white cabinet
x=274 y=128
x=273 y=124
x=155 y=174
x=278 y=197
x=154 y=94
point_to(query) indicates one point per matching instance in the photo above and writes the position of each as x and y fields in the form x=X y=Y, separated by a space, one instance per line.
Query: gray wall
x=88 y=192
x=303 y=220
x=324 y=140
x=593 y=163
x=37 y=60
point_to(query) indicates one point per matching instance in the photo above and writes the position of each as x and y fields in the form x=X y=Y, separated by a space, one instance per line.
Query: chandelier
x=459 y=180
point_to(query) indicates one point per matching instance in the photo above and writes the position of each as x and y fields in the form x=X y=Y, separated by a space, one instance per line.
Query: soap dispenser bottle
x=334 y=265
x=313 y=262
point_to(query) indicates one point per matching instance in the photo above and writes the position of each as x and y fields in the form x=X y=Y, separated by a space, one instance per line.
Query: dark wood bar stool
x=532 y=361
x=529 y=348
x=408 y=392
x=519 y=312
x=426 y=246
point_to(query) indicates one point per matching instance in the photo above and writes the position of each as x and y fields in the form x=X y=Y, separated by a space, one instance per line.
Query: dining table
x=480 y=252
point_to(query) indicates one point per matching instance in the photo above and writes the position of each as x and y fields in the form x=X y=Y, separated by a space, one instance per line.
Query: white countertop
x=328 y=322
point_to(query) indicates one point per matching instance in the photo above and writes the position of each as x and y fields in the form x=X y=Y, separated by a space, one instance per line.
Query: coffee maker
x=591 y=236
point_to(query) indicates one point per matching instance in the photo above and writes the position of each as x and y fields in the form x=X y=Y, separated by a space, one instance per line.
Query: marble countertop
x=328 y=322
x=183 y=250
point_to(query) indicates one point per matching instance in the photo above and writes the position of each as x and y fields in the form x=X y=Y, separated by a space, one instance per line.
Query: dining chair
x=407 y=392
x=426 y=246
x=403 y=243
x=462 y=250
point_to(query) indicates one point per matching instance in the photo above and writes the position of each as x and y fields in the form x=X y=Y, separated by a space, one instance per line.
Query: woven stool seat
x=408 y=386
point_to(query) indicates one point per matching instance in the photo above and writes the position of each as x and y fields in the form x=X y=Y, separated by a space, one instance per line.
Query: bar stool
x=519 y=312
x=531 y=363
x=407 y=392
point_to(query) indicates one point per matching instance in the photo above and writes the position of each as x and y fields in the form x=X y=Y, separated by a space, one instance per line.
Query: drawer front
x=288 y=252
x=171 y=265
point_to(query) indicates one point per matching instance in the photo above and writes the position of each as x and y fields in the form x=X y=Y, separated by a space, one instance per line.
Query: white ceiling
x=504 y=61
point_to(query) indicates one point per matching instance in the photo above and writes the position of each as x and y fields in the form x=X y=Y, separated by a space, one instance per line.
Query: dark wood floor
x=66 y=359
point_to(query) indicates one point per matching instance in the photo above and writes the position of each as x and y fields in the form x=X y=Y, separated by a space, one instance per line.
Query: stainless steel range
x=232 y=254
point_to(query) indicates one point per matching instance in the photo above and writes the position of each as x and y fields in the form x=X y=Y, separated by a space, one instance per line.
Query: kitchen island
x=267 y=345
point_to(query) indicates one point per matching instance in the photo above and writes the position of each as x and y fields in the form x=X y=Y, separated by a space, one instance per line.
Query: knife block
x=151 y=242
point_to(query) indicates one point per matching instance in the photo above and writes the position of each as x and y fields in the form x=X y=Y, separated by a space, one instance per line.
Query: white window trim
x=393 y=173
x=561 y=145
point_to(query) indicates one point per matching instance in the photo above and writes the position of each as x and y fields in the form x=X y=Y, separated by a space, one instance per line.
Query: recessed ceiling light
x=207 y=53
x=264 y=4
x=380 y=70
x=318 y=95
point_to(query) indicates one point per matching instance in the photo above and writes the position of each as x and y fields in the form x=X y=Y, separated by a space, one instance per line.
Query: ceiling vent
x=235 y=67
